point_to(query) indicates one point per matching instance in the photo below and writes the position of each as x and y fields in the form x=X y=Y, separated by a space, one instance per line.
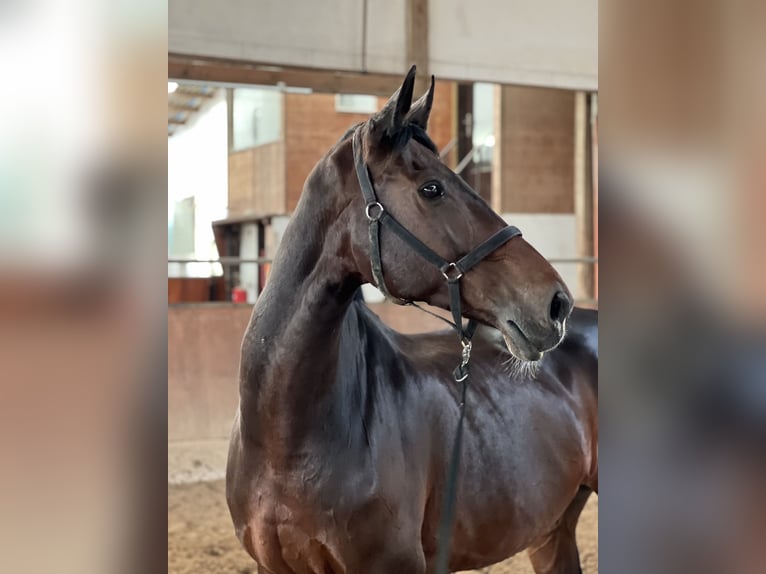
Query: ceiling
x=185 y=103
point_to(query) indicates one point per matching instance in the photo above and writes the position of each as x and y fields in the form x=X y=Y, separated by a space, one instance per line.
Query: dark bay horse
x=340 y=447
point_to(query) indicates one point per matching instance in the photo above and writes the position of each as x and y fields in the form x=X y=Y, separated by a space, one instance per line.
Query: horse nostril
x=560 y=307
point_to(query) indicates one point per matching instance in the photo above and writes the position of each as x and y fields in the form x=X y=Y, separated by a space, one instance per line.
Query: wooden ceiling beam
x=181 y=67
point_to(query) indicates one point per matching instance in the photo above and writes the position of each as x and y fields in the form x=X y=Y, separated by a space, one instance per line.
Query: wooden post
x=500 y=130
x=454 y=156
x=594 y=181
x=583 y=196
x=230 y=117
x=417 y=43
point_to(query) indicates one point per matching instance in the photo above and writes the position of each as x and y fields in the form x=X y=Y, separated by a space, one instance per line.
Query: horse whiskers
x=519 y=368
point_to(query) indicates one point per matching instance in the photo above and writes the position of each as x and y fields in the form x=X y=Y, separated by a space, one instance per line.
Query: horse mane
x=348 y=133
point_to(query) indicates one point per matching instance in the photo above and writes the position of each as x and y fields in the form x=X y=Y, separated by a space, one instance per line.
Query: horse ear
x=421 y=109
x=393 y=117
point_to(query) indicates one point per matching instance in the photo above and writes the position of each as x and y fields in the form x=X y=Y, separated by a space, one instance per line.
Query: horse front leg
x=556 y=553
x=401 y=562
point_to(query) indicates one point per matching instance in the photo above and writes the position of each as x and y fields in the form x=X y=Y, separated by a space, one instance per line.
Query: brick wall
x=441 y=126
x=533 y=165
x=257 y=180
x=313 y=126
x=269 y=179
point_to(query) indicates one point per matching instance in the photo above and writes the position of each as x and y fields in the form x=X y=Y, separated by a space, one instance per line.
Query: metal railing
x=229 y=261
x=447 y=148
x=223 y=260
x=465 y=160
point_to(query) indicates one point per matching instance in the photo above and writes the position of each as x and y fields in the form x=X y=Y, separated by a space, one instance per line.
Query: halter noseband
x=452 y=271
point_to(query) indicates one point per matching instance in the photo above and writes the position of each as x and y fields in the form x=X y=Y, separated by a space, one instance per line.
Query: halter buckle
x=448 y=269
x=374 y=216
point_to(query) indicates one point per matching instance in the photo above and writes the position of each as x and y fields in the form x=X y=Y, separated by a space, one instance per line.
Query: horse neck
x=290 y=350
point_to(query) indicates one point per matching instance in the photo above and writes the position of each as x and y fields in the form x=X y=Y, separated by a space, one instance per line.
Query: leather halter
x=452 y=272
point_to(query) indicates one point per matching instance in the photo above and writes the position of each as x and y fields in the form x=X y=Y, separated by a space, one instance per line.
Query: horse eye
x=431 y=190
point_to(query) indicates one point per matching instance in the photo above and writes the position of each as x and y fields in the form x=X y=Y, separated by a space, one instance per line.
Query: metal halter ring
x=447 y=269
x=368 y=211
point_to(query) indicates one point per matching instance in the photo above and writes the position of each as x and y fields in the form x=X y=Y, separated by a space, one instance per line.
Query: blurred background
x=256 y=92
x=682 y=404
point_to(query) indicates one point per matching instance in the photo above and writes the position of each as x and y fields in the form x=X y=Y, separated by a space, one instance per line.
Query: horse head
x=513 y=288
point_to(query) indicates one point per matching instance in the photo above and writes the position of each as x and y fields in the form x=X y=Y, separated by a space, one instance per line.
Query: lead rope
x=450 y=493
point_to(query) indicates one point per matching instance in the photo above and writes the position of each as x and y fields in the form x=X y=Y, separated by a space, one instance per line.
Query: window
x=181 y=229
x=257 y=117
x=356 y=103
x=483 y=122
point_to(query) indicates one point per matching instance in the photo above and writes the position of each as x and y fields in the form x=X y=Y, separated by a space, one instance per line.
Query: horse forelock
x=403 y=136
x=411 y=131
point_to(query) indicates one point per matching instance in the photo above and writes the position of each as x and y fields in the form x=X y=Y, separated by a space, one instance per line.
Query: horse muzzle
x=529 y=340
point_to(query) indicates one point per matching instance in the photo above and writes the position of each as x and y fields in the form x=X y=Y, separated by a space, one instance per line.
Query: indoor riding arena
x=258 y=94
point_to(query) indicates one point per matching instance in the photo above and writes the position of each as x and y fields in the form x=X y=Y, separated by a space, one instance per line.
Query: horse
x=340 y=445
